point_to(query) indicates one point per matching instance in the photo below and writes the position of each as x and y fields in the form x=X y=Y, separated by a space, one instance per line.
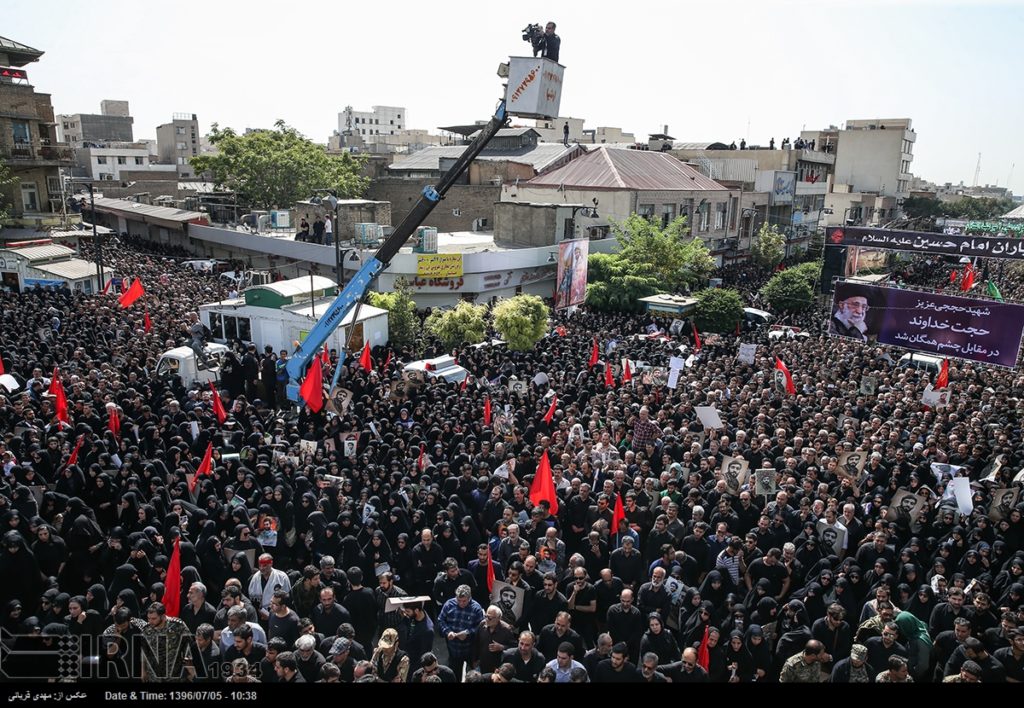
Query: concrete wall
x=473 y=201
x=526 y=224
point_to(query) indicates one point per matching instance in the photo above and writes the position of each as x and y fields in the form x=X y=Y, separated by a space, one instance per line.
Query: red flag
x=132 y=294
x=696 y=339
x=490 y=571
x=73 y=460
x=325 y=357
x=790 y=387
x=423 y=453
x=618 y=515
x=2 y=372
x=627 y=375
x=205 y=468
x=952 y=276
x=487 y=411
x=968 y=280
x=942 y=381
x=551 y=411
x=218 y=405
x=387 y=361
x=172 y=583
x=462 y=386
x=57 y=390
x=543 y=486
x=561 y=330
x=609 y=379
x=114 y=422
x=147 y=325
x=106 y=287
x=593 y=355
x=312 y=389
x=365 y=360
x=703 y=655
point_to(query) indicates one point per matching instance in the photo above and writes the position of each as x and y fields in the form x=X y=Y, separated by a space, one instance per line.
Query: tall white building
x=382 y=120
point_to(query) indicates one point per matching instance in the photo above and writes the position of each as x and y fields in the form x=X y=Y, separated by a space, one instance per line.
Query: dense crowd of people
x=306 y=559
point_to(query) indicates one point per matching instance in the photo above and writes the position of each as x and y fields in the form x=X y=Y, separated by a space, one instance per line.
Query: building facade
x=382 y=120
x=178 y=141
x=107 y=163
x=28 y=144
x=112 y=125
x=872 y=155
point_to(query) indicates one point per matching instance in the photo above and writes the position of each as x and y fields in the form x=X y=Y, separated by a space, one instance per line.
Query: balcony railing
x=36 y=152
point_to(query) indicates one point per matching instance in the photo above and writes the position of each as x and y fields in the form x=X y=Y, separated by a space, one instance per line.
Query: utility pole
x=977 y=170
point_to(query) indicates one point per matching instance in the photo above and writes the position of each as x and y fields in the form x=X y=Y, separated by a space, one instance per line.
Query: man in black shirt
x=617 y=668
x=548 y=44
x=362 y=605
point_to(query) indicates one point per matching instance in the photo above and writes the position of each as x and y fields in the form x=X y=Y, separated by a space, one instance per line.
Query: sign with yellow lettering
x=439 y=265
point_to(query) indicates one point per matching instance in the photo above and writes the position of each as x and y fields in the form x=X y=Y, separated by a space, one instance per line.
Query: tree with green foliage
x=6 y=178
x=269 y=169
x=402 y=321
x=522 y=321
x=718 y=310
x=789 y=291
x=768 y=250
x=809 y=271
x=668 y=254
x=465 y=323
x=615 y=284
x=963 y=208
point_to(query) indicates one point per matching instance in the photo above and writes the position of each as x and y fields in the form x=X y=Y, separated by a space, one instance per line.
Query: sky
x=717 y=71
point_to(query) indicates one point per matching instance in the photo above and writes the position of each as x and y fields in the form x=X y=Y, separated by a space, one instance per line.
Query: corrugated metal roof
x=510 y=132
x=43 y=253
x=680 y=145
x=74 y=269
x=538 y=156
x=302 y=309
x=297 y=286
x=11 y=45
x=126 y=207
x=1017 y=213
x=627 y=169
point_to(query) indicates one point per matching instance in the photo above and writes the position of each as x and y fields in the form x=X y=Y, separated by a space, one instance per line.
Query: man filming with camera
x=545 y=44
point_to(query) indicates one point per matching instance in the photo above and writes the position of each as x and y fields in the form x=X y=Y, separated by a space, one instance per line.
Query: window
x=180 y=130
x=668 y=213
x=101 y=160
x=720 y=215
x=53 y=185
x=20 y=132
x=181 y=146
x=646 y=211
x=703 y=214
x=29 y=196
x=122 y=160
x=392 y=122
x=139 y=161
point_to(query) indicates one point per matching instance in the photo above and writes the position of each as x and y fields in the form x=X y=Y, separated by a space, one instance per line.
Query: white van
x=921 y=362
x=757 y=317
x=181 y=361
x=443 y=367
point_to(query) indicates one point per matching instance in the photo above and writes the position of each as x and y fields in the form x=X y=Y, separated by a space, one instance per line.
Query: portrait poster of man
x=831 y=538
x=853 y=316
x=510 y=599
x=572 y=273
x=1003 y=501
x=851 y=463
x=993 y=468
x=764 y=482
x=735 y=471
x=868 y=385
x=905 y=507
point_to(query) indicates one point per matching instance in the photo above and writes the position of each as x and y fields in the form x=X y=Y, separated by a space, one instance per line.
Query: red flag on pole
x=609 y=379
x=543 y=486
x=942 y=381
x=57 y=390
x=205 y=468
x=325 y=357
x=387 y=361
x=114 y=422
x=487 y=411
x=132 y=294
x=790 y=387
x=124 y=285
x=551 y=411
x=703 y=655
x=462 y=386
x=423 y=453
x=560 y=330
x=2 y=372
x=952 y=276
x=618 y=515
x=312 y=389
x=106 y=287
x=172 y=586
x=147 y=324
x=218 y=405
x=490 y=571
x=593 y=355
x=627 y=375
x=968 y=280
x=696 y=339
x=73 y=460
x=365 y=360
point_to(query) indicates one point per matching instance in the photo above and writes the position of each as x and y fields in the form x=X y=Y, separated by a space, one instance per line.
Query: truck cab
x=442 y=367
x=181 y=361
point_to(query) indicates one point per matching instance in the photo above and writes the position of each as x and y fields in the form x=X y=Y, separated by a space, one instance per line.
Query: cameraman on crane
x=545 y=44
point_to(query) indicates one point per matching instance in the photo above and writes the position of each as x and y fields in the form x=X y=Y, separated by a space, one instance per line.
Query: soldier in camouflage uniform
x=168 y=639
x=803 y=667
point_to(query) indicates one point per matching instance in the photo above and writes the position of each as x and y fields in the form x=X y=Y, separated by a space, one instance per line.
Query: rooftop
x=609 y=168
x=43 y=253
x=73 y=269
x=17 y=53
x=537 y=156
x=297 y=286
x=125 y=206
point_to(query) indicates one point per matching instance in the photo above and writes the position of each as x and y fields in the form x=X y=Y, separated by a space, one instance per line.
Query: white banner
x=748 y=353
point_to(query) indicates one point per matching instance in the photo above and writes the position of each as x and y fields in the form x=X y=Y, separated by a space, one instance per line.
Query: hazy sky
x=705 y=69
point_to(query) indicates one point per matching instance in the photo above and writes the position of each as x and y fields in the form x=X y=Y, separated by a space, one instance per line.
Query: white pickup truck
x=181 y=361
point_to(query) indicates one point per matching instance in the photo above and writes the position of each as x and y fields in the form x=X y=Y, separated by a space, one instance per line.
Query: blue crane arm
x=354 y=291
